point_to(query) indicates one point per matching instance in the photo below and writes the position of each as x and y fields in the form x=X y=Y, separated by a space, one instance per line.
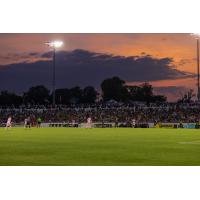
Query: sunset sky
x=174 y=51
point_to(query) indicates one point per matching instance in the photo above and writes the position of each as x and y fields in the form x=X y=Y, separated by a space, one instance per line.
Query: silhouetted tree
x=37 y=95
x=63 y=96
x=75 y=95
x=89 y=95
x=144 y=93
x=9 y=99
x=187 y=97
x=114 y=88
x=159 y=98
x=134 y=92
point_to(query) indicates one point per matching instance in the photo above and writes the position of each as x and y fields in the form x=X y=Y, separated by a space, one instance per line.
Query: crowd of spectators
x=113 y=112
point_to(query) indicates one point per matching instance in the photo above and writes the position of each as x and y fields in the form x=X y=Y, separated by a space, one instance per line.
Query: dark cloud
x=80 y=67
x=20 y=56
x=47 y=54
x=185 y=61
x=34 y=54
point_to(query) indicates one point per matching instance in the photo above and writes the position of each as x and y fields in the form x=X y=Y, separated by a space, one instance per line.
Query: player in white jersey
x=133 y=123
x=25 y=123
x=89 y=122
x=9 y=123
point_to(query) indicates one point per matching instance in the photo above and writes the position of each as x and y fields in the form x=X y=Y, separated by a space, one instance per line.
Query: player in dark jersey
x=27 y=122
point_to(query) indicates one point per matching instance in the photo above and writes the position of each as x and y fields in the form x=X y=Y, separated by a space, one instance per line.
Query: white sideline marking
x=193 y=142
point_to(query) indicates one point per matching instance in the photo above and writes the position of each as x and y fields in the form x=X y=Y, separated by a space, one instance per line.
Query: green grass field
x=99 y=147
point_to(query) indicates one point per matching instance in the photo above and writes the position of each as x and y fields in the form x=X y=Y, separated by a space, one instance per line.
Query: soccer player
x=27 y=122
x=116 y=122
x=133 y=123
x=9 y=123
x=39 y=121
x=73 y=123
x=89 y=122
x=181 y=124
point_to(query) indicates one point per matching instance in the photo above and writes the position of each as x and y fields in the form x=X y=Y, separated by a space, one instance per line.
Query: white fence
x=109 y=125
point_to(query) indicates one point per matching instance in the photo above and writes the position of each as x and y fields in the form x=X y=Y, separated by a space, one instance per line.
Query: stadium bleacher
x=120 y=115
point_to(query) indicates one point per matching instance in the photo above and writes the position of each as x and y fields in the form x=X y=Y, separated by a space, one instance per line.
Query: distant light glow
x=56 y=44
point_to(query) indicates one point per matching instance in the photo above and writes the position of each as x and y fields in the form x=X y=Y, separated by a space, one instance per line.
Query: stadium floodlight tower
x=197 y=36
x=54 y=45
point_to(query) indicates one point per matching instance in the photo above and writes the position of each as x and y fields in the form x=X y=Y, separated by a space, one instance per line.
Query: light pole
x=54 y=45
x=197 y=35
x=198 y=94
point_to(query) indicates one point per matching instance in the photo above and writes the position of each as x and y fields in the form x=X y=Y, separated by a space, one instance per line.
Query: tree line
x=111 y=89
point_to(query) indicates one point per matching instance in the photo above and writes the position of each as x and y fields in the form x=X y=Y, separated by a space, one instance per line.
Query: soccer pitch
x=99 y=147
